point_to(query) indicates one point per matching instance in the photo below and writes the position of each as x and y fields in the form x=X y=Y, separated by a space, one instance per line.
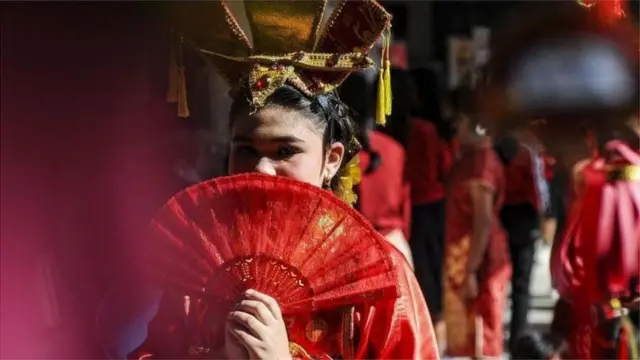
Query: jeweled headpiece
x=288 y=44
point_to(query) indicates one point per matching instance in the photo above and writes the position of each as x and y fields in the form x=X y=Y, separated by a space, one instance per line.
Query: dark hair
x=327 y=111
x=356 y=92
x=430 y=98
x=533 y=345
x=462 y=100
x=506 y=146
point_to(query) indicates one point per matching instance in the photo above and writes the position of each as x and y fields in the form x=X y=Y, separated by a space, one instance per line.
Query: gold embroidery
x=296 y=350
x=316 y=329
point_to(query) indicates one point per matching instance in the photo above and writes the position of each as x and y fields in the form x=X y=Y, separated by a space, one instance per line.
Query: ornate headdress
x=288 y=45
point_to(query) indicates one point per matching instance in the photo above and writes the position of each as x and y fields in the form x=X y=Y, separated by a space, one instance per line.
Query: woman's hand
x=257 y=324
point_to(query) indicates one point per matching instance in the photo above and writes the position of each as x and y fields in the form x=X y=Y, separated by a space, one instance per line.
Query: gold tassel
x=381 y=104
x=387 y=76
x=387 y=87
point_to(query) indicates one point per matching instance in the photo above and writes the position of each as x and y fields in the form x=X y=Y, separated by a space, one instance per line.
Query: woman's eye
x=287 y=152
x=245 y=150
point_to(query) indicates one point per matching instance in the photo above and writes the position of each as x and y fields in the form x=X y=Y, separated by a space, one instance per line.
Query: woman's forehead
x=273 y=122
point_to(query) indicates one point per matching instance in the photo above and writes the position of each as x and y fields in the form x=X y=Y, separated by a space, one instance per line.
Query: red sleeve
x=402 y=328
x=485 y=167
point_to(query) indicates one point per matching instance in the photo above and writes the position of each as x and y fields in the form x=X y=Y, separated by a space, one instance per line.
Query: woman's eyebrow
x=277 y=139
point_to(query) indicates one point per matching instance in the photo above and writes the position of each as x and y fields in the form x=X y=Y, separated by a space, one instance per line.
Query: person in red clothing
x=477 y=266
x=383 y=195
x=428 y=161
x=526 y=201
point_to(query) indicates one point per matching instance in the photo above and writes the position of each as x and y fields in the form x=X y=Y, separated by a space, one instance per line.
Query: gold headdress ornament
x=288 y=45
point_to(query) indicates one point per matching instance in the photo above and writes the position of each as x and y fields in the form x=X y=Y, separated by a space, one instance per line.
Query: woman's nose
x=265 y=166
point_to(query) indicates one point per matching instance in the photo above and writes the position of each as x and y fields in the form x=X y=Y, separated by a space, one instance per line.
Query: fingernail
x=249 y=292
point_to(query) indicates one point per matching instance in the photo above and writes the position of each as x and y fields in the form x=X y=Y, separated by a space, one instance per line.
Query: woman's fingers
x=258 y=310
x=250 y=322
x=243 y=336
x=267 y=300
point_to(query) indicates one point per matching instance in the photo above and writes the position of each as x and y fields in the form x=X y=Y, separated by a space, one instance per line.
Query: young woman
x=477 y=266
x=287 y=120
x=290 y=136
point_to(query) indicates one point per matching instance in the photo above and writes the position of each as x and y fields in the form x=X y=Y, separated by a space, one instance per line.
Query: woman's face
x=279 y=141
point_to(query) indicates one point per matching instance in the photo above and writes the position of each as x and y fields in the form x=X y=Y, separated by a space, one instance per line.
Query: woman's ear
x=333 y=159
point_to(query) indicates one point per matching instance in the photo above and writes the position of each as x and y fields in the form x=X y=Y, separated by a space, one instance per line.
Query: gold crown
x=288 y=46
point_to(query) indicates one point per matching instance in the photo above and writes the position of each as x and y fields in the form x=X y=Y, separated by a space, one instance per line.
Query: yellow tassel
x=387 y=87
x=381 y=104
x=381 y=118
x=183 y=106
x=172 y=91
x=387 y=75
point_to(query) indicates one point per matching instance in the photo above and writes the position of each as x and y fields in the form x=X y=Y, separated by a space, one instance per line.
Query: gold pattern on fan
x=240 y=268
x=327 y=228
x=316 y=329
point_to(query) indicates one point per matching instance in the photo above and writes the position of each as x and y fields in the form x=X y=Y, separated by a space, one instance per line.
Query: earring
x=326 y=184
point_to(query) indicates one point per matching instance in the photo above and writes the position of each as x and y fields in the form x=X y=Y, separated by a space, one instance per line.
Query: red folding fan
x=290 y=240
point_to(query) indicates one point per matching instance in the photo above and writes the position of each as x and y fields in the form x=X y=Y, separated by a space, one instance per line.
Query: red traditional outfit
x=429 y=158
x=475 y=328
x=314 y=62
x=428 y=161
x=384 y=195
x=601 y=213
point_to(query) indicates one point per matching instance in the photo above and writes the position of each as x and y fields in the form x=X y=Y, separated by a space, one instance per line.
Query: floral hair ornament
x=288 y=47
